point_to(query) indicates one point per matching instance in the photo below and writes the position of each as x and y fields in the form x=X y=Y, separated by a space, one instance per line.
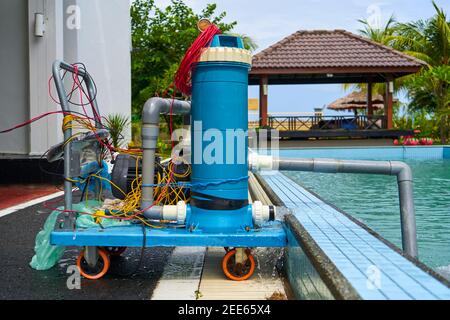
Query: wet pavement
x=14 y=194
x=19 y=281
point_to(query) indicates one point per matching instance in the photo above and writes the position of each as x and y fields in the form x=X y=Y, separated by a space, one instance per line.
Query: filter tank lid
x=227 y=48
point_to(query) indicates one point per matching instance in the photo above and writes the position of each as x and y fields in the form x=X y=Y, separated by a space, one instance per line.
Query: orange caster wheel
x=238 y=266
x=93 y=272
x=114 y=251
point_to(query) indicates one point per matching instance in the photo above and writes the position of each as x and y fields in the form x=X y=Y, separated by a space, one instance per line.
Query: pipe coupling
x=262 y=213
x=258 y=162
x=175 y=212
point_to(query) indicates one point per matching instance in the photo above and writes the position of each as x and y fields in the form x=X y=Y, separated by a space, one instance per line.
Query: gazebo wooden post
x=263 y=100
x=369 y=99
x=388 y=104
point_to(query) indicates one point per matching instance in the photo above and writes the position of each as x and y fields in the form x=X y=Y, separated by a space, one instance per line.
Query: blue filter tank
x=219 y=128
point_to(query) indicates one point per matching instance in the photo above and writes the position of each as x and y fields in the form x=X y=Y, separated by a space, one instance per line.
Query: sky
x=268 y=21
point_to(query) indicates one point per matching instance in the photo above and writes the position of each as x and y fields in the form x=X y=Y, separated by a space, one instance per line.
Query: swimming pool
x=374 y=199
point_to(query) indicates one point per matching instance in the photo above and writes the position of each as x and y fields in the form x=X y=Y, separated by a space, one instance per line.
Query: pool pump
x=219 y=146
x=219 y=213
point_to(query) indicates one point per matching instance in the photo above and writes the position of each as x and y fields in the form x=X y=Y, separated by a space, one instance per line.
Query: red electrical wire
x=183 y=76
x=38 y=118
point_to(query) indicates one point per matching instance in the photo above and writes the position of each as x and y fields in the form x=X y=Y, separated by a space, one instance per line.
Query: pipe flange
x=260 y=162
x=257 y=213
x=181 y=212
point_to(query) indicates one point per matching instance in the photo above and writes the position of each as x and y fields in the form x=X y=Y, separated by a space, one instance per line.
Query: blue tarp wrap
x=93 y=168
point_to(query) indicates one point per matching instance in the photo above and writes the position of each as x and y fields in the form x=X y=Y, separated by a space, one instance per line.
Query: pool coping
x=337 y=283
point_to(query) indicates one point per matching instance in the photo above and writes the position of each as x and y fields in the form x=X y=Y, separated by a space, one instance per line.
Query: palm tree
x=249 y=43
x=428 y=40
x=383 y=35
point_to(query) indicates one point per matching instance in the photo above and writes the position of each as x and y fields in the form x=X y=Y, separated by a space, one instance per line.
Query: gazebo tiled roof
x=330 y=56
x=342 y=54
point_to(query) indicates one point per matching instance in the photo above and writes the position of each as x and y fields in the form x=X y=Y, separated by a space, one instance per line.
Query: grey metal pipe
x=153 y=108
x=153 y=213
x=394 y=168
x=57 y=65
x=92 y=97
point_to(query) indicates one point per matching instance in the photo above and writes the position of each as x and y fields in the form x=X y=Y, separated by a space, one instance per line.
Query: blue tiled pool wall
x=446 y=152
x=303 y=278
x=351 y=248
x=372 y=153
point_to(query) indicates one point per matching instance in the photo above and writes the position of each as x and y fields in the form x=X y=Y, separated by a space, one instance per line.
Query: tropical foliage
x=429 y=90
x=160 y=38
x=429 y=40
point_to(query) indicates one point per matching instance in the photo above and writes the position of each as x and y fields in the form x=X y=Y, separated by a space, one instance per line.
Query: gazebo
x=327 y=57
x=357 y=101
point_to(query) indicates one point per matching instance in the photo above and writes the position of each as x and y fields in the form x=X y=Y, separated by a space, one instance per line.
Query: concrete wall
x=14 y=80
x=42 y=52
x=103 y=44
x=95 y=32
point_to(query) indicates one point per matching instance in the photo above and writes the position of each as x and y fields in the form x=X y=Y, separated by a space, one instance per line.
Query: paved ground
x=19 y=281
x=180 y=273
x=13 y=194
x=266 y=282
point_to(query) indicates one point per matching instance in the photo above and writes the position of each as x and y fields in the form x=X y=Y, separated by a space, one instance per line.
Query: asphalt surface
x=19 y=281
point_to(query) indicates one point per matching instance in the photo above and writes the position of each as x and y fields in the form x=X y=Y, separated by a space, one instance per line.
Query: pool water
x=373 y=200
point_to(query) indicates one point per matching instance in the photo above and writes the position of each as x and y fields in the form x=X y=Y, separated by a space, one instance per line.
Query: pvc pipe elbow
x=402 y=170
x=155 y=106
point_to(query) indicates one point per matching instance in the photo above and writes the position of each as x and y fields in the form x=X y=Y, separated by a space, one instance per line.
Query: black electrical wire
x=46 y=171
x=80 y=86
x=84 y=191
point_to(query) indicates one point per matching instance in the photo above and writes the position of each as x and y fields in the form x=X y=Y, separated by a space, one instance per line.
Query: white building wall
x=101 y=41
x=14 y=69
x=42 y=52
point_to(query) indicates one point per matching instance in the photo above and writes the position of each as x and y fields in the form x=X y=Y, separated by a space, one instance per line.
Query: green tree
x=430 y=92
x=160 y=37
x=428 y=40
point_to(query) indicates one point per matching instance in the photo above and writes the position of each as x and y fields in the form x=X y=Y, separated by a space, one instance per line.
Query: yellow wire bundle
x=165 y=192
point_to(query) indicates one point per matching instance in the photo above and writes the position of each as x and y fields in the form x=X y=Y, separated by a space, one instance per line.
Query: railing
x=302 y=123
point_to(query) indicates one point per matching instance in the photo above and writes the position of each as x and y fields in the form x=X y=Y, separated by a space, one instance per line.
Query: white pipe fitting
x=258 y=162
x=262 y=213
x=175 y=212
